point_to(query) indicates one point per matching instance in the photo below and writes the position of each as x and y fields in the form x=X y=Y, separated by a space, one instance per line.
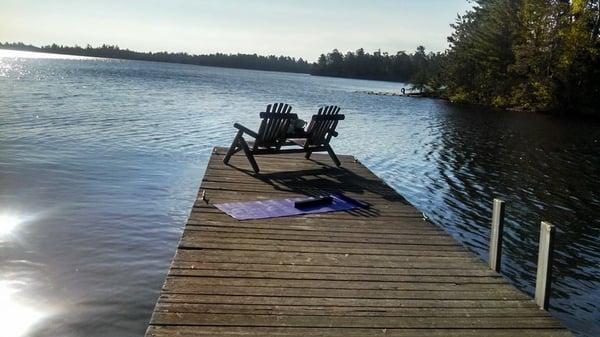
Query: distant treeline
x=420 y=69
x=245 y=61
x=403 y=67
x=417 y=68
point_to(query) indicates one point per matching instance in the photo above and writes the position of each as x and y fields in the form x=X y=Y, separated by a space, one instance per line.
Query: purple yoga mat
x=264 y=209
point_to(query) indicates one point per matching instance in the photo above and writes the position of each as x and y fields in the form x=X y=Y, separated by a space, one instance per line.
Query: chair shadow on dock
x=328 y=179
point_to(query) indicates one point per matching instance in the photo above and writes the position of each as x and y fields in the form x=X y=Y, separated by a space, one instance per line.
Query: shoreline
x=591 y=116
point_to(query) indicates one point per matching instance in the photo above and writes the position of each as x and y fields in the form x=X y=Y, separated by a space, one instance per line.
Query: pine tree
x=481 y=51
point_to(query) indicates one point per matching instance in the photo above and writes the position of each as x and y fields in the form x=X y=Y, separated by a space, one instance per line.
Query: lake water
x=100 y=161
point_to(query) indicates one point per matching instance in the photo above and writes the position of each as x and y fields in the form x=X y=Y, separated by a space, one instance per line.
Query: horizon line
x=104 y=45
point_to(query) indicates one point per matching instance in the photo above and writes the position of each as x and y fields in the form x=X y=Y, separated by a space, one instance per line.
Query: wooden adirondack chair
x=319 y=132
x=269 y=138
x=271 y=135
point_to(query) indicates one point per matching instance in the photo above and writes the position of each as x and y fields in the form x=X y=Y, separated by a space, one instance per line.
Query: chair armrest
x=328 y=117
x=275 y=115
x=245 y=130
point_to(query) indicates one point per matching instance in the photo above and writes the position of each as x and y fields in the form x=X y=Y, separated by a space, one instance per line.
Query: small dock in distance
x=381 y=271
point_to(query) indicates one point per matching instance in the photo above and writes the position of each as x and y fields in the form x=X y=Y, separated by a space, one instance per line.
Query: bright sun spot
x=17 y=319
x=7 y=53
x=8 y=223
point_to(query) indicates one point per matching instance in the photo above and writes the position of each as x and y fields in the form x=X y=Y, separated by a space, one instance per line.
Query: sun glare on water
x=8 y=223
x=17 y=315
x=16 y=319
x=7 y=53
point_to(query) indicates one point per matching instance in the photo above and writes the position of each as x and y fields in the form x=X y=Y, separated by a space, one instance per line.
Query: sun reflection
x=17 y=318
x=8 y=53
x=8 y=223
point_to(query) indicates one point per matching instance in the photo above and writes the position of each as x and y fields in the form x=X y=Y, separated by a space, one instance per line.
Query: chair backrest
x=322 y=125
x=275 y=122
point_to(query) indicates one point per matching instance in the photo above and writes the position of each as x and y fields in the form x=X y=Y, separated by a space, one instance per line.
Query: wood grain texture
x=381 y=271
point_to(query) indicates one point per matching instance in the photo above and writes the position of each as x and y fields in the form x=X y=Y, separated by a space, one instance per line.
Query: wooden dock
x=381 y=271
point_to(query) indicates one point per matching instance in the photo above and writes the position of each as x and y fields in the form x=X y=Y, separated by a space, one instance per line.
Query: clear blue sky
x=300 y=28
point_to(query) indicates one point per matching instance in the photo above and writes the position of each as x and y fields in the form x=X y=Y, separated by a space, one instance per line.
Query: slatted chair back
x=275 y=122
x=322 y=125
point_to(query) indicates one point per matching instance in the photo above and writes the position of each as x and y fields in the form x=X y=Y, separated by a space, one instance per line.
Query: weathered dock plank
x=381 y=271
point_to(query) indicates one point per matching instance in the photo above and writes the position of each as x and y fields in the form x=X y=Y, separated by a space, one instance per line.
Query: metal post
x=496 y=235
x=544 y=269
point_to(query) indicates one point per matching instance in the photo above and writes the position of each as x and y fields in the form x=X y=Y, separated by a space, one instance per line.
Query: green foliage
x=481 y=52
x=420 y=68
x=539 y=55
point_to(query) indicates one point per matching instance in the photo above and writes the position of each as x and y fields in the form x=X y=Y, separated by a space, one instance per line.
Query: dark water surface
x=100 y=161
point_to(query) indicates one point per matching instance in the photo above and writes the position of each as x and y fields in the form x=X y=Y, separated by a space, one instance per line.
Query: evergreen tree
x=539 y=55
x=481 y=51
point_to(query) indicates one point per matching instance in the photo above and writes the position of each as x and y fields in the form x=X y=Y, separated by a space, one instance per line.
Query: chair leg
x=233 y=147
x=333 y=156
x=307 y=155
x=249 y=155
